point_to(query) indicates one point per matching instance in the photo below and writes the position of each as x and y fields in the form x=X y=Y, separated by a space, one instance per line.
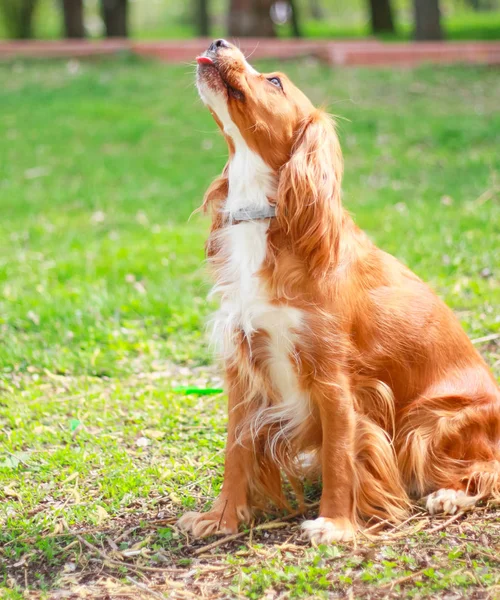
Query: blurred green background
x=162 y=19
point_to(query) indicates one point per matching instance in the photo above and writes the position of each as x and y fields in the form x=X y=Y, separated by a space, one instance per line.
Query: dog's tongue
x=204 y=60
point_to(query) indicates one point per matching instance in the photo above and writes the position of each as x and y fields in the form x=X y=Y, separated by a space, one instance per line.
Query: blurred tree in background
x=381 y=18
x=202 y=17
x=428 y=20
x=74 y=26
x=294 y=18
x=18 y=17
x=250 y=18
x=114 y=15
x=316 y=9
x=328 y=19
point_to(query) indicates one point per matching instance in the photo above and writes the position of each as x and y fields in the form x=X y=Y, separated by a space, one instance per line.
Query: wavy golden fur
x=392 y=400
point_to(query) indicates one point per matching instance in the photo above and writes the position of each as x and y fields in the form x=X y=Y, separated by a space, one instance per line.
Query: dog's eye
x=276 y=81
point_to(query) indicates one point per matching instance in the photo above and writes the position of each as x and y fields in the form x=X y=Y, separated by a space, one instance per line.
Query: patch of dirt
x=131 y=557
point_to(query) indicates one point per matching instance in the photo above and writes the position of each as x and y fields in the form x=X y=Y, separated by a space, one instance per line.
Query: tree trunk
x=296 y=32
x=18 y=17
x=250 y=18
x=27 y=12
x=73 y=18
x=316 y=9
x=427 y=20
x=114 y=14
x=202 y=17
x=381 y=16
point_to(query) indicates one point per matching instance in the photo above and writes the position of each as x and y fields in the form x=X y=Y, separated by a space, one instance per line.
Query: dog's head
x=266 y=109
x=269 y=115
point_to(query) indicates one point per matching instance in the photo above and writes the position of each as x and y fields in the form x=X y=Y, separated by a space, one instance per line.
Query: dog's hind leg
x=480 y=480
x=449 y=450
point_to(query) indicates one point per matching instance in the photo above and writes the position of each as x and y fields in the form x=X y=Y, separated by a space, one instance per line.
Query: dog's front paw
x=205 y=524
x=215 y=521
x=448 y=501
x=325 y=531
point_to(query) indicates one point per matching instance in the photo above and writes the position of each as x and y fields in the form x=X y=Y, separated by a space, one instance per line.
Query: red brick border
x=61 y=48
x=368 y=52
x=416 y=53
x=175 y=51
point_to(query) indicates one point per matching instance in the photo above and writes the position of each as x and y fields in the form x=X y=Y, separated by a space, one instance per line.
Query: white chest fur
x=246 y=307
x=245 y=302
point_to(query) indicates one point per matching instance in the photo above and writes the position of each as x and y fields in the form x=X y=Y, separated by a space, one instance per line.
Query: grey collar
x=253 y=214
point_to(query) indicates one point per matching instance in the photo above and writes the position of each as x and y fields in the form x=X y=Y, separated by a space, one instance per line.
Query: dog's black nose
x=217 y=44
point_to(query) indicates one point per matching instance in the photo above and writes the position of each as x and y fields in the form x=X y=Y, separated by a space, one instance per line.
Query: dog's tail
x=378 y=488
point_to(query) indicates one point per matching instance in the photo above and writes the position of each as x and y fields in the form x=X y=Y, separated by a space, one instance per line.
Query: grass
x=102 y=307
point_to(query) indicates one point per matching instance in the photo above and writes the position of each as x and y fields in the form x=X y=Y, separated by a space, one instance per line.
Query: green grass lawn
x=102 y=307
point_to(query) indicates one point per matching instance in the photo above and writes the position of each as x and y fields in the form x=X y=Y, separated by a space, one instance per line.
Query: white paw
x=448 y=502
x=325 y=531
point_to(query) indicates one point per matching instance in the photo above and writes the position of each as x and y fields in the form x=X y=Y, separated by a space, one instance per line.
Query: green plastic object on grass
x=197 y=391
x=74 y=424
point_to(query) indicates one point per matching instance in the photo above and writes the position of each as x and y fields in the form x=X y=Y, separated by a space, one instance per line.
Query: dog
x=338 y=359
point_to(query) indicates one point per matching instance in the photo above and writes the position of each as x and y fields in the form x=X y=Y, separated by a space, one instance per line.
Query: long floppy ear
x=216 y=193
x=308 y=201
x=215 y=196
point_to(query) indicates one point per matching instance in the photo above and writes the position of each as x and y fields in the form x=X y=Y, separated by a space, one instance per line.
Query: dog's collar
x=253 y=214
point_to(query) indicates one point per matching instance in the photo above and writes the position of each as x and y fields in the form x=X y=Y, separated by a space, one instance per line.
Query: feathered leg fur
x=448 y=449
